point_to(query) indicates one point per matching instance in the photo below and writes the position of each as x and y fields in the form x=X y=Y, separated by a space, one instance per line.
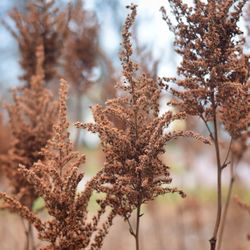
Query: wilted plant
x=133 y=172
x=55 y=178
x=31 y=115
x=80 y=54
x=41 y=24
x=214 y=73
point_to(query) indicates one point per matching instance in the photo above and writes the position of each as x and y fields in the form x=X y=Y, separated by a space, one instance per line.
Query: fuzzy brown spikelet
x=41 y=24
x=214 y=75
x=133 y=172
x=214 y=71
x=55 y=179
x=31 y=119
x=81 y=47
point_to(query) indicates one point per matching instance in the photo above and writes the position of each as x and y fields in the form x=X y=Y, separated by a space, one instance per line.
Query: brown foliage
x=31 y=118
x=81 y=47
x=55 y=178
x=41 y=25
x=214 y=71
x=133 y=173
x=214 y=75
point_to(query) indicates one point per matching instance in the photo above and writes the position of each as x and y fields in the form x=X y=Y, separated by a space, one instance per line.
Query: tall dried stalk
x=32 y=115
x=214 y=73
x=55 y=178
x=133 y=136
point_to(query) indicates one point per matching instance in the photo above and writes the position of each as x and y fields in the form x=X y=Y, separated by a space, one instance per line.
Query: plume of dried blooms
x=81 y=47
x=214 y=73
x=214 y=70
x=133 y=172
x=55 y=178
x=41 y=24
x=80 y=54
x=31 y=120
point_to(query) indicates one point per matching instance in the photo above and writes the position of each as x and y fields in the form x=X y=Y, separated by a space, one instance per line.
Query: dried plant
x=31 y=119
x=81 y=46
x=41 y=24
x=133 y=172
x=80 y=53
x=214 y=73
x=55 y=178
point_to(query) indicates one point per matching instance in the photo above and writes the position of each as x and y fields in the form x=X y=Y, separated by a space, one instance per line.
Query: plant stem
x=137 y=232
x=228 y=199
x=213 y=240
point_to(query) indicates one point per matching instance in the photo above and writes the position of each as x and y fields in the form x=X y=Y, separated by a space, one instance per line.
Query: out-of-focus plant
x=55 y=177
x=80 y=54
x=213 y=75
x=42 y=24
x=31 y=115
x=133 y=172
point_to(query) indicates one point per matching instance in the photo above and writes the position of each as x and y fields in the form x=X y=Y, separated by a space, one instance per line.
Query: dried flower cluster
x=41 y=161
x=214 y=75
x=41 y=25
x=80 y=54
x=31 y=119
x=55 y=178
x=81 y=47
x=133 y=173
x=214 y=70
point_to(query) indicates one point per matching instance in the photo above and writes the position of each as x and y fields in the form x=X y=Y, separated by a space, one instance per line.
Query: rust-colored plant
x=41 y=24
x=80 y=54
x=214 y=73
x=55 y=178
x=133 y=172
x=31 y=115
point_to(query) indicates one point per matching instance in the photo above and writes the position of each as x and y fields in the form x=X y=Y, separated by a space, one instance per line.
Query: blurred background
x=169 y=223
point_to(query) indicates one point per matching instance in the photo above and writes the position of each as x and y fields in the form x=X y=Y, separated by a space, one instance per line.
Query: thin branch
x=227 y=204
x=131 y=230
x=206 y=124
x=225 y=163
x=213 y=240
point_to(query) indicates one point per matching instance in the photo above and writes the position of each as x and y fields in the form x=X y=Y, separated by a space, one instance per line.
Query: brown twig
x=227 y=204
x=213 y=240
